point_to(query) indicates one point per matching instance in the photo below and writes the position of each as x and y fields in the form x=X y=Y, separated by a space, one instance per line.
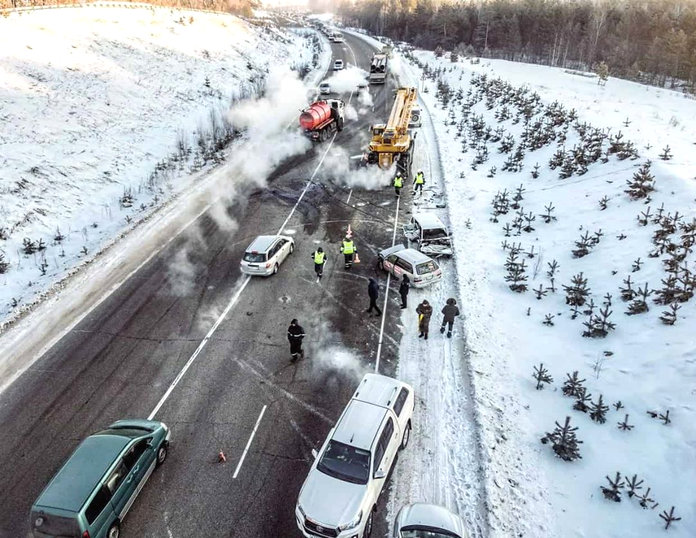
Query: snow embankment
x=113 y=111
x=642 y=365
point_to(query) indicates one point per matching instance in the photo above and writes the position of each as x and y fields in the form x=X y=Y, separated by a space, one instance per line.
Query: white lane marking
x=304 y=191
x=349 y=195
x=386 y=292
x=200 y=347
x=251 y=438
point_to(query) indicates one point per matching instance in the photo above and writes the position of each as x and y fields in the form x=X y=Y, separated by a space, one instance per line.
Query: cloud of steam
x=338 y=169
x=365 y=99
x=331 y=362
x=181 y=273
x=347 y=80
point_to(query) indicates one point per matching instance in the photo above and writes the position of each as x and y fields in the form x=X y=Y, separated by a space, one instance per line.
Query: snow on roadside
x=644 y=364
x=99 y=99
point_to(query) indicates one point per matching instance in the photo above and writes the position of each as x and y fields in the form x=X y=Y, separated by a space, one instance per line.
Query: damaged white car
x=430 y=234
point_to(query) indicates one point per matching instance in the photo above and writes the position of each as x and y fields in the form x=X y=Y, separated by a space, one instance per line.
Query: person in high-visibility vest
x=398 y=183
x=319 y=257
x=419 y=182
x=349 y=250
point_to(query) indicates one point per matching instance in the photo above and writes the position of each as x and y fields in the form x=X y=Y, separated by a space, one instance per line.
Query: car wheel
x=292 y=247
x=367 y=532
x=162 y=454
x=407 y=435
x=114 y=531
x=275 y=269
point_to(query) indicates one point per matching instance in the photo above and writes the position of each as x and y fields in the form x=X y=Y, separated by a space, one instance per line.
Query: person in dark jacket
x=373 y=292
x=424 y=311
x=403 y=290
x=295 y=335
x=450 y=311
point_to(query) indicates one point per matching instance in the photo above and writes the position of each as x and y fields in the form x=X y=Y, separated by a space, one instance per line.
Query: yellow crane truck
x=393 y=142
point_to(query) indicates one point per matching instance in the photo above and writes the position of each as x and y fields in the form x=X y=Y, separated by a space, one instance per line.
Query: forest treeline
x=651 y=41
x=239 y=7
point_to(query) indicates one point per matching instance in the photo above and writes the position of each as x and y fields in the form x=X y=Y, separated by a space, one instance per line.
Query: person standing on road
x=349 y=250
x=450 y=311
x=419 y=182
x=373 y=292
x=319 y=257
x=403 y=290
x=424 y=311
x=398 y=183
x=295 y=335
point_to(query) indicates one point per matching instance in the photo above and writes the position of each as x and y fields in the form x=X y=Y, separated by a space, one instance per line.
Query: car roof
x=378 y=390
x=359 y=424
x=428 y=220
x=414 y=256
x=431 y=515
x=76 y=480
x=262 y=243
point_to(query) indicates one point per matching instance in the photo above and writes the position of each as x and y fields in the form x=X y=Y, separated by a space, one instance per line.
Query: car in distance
x=338 y=65
x=324 y=88
x=91 y=494
x=265 y=254
x=421 y=520
x=339 y=495
x=421 y=269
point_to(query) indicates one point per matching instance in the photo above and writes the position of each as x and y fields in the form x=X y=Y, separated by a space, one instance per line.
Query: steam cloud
x=338 y=162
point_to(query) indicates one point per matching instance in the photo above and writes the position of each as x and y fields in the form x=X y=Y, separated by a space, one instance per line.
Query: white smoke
x=347 y=80
x=371 y=177
x=365 y=99
x=329 y=359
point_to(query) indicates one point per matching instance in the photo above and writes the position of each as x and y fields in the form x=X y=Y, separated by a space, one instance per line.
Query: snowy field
x=643 y=365
x=73 y=180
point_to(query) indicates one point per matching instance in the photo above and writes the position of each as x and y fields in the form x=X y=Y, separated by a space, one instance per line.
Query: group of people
x=418 y=182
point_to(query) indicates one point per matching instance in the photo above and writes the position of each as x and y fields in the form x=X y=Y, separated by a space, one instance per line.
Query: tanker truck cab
x=322 y=119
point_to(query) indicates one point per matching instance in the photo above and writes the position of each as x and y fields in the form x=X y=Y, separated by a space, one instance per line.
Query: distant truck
x=336 y=37
x=378 y=69
x=323 y=118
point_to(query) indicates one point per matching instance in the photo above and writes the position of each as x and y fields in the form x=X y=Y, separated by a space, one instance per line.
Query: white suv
x=265 y=254
x=339 y=496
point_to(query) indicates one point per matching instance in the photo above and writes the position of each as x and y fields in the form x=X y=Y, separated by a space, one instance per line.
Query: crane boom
x=392 y=141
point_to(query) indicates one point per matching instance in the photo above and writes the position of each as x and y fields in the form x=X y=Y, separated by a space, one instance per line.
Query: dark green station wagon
x=91 y=493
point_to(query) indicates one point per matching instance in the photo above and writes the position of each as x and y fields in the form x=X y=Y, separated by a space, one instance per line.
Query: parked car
x=265 y=254
x=91 y=494
x=339 y=497
x=398 y=260
x=324 y=88
x=338 y=65
x=422 y=520
x=430 y=234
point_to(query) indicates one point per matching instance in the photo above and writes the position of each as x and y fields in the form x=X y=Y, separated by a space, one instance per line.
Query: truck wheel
x=339 y=124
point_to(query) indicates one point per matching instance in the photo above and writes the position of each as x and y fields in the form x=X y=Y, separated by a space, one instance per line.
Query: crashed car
x=430 y=235
x=419 y=268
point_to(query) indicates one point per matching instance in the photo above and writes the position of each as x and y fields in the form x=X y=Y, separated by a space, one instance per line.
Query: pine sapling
x=645 y=499
x=668 y=317
x=636 y=265
x=640 y=303
x=625 y=426
x=627 y=292
x=669 y=517
x=577 y=292
x=603 y=203
x=572 y=385
x=618 y=405
x=548 y=216
x=633 y=485
x=548 y=320
x=564 y=441
x=582 y=401
x=664 y=417
x=666 y=154
x=613 y=492
x=598 y=411
x=542 y=376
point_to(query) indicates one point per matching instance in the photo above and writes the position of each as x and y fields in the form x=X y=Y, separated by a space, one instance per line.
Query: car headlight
x=352 y=524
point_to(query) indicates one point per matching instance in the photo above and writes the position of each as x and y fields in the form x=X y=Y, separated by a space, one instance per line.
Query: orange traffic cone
x=349 y=233
x=356 y=259
x=221 y=457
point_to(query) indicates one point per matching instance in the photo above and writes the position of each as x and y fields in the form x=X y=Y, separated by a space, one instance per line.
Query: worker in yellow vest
x=349 y=250
x=319 y=257
x=398 y=183
x=419 y=182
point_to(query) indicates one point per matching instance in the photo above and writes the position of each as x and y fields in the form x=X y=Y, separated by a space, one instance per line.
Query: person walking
x=424 y=311
x=319 y=257
x=403 y=290
x=419 y=182
x=398 y=183
x=295 y=335
x=349 y=250
x=450 y=311
x=373 y=292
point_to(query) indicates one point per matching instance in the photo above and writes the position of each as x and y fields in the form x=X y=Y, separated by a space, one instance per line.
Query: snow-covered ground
x=643 y=363
x=73 y=180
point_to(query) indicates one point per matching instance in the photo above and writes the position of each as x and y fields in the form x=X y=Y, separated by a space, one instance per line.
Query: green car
x=90 y=495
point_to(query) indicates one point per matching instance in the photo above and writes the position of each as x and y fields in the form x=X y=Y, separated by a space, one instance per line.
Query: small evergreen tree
x=602 y=72
x=613 y=492
x=642 y=184
x=572 y=385
x=598 y=411
x=577 y=292
x=564 y=441
x=542 y=376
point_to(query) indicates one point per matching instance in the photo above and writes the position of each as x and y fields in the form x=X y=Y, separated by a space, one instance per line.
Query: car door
x=119 y=489
x=403 y=267
x=384 y=453
x=401 y=409
x=284 y=249
x=389 y=263
x=138 y=461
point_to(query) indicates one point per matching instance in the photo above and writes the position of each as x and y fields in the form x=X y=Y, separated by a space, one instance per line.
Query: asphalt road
x=119 y=361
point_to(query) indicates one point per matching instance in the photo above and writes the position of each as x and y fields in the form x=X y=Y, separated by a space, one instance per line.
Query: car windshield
x=426 y=267
x=434 y=233
x=416 y=532
x=255 y=257
x=345 y=463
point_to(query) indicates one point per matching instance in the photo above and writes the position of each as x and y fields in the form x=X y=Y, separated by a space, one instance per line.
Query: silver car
x=265 y=254
x=422 y=520
x=421 y=270
x=430 y=234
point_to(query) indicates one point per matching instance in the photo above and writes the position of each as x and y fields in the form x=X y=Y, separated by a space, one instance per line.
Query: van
x=421 y=270
x=430 y=234
x=91 y=494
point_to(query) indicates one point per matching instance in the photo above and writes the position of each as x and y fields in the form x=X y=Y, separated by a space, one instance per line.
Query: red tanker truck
x=322 y=118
